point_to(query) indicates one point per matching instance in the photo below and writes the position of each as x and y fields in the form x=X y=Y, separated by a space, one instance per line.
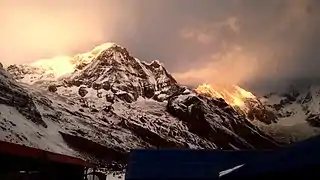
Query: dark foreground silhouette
x=20 y=162
x=297 y=161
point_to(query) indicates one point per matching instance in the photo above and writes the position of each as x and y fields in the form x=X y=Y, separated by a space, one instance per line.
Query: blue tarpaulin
x=184 y=163
x=297 y=160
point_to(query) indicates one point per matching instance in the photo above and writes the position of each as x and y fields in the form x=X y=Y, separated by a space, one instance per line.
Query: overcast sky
x=254 y=42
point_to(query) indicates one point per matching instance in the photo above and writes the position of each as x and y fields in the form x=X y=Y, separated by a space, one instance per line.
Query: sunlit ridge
x=62 y=65
x=233 y=94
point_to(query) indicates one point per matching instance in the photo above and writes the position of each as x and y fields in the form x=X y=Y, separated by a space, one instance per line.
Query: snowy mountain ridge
x=305 y=100
x=115 y=103
x=108 y=67
x=52 y=69
x=291 y=114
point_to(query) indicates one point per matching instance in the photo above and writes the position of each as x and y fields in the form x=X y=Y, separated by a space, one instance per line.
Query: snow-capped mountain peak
x=108 y=67
x=95 y=52
x=56 y=67
x=116 y=70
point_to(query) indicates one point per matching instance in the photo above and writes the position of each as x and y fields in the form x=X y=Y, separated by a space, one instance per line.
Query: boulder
x=82 y=91
x=52 y=88
x=124 y=96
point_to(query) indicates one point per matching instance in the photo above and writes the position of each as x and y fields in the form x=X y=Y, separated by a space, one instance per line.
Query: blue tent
x=300 y=160
x=185 y=163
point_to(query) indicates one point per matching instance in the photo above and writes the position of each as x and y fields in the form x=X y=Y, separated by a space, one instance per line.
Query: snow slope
x=296 y=110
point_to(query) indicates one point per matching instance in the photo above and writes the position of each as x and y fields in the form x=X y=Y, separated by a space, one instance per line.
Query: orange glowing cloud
x=233 y=67
x=44 y=29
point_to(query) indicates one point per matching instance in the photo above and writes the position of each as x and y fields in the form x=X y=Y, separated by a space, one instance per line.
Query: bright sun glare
x=62 y=65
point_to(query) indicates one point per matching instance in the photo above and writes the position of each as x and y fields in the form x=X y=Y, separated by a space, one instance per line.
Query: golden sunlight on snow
x=62 y=65
x=59 y=65
x=233 y=95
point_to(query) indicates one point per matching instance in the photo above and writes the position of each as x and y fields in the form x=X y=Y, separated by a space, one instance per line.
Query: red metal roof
x=24 y=151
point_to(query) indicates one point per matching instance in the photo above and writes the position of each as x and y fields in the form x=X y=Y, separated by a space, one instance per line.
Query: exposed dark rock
x=307 y=98
x=263 y=115
x=148 y=91
x=110 y=98
x=291 y=95
x=277 y=107
x=106 y=85
x=82 y=91
x=160 y=97
x=155 y=64
x=94 y=149
x=52 y=88
x=96 y=86
x=94 y=110
x=125 y=97
x=108 y=109
x=81 y=66
x=313 y=120
x=149 y=136
x=99 y=94
x=70 y=83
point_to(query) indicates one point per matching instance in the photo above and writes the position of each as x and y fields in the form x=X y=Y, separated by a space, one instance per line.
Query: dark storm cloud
x=234 y=41
x=276 y=40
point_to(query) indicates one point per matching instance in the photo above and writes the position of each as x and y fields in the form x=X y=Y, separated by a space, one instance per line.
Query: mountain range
x=108 y=102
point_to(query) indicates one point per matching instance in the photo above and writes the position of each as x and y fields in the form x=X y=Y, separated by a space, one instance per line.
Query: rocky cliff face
x=126 y=77
x=216 y=121
x=114 y=102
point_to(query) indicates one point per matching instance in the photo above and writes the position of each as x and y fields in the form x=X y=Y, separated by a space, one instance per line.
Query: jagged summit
x=108 y=68
x=95 y=52
x=115 y=70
